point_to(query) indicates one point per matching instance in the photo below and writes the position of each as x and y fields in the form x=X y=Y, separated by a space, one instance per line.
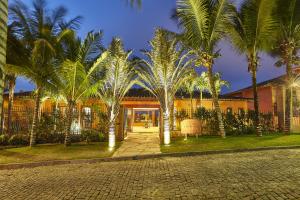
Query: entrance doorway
x=143 y=120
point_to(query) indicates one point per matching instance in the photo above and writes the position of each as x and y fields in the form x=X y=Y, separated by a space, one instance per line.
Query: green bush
x=18 y=140
x=48 y=138
x=234 y=124
x=92 y=136
x=4 y=140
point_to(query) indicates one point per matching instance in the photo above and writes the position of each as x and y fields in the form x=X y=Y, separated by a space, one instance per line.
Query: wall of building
x=265 y=97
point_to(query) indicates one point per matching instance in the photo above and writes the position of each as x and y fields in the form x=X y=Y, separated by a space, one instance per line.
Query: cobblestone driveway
x=260 y=175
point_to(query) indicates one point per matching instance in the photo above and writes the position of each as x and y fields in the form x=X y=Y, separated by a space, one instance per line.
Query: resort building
x=272 y=95
x=140 y=111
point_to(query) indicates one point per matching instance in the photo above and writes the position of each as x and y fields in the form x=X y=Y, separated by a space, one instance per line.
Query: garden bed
x=208 y=143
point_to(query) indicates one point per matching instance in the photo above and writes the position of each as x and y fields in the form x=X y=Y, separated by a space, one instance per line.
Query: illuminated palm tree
x=41 y=32
x=202 y=84
x=218 y=82
x=190 y=85
x=250 y=34
x=3 y=36
x=78 y=71
x=119 y=78
x=204 y=23
x=163 y=73
x=287 y=45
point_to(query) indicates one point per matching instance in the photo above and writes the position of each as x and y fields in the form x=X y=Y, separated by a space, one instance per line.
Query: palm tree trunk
x=2 y=117
x=71 y=106
x=216 y=101
x=112 y=128
x=201 y=98
x=12 y=85
x=55 y=116
x=3 y=39
x=35 y=117
x=167 y=134
x=172 y=115
x=192 y=107
x=256 y=103
x=112 y=135
x=288 y=99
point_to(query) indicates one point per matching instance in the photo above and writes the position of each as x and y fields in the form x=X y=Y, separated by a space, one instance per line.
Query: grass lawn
x=206 y=143
x=54 y=152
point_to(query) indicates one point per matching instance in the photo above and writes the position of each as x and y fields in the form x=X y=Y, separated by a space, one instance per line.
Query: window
x=87 y=111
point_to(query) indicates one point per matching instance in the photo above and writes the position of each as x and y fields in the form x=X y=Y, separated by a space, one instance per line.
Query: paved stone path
x=139 y=144
x=256 y=175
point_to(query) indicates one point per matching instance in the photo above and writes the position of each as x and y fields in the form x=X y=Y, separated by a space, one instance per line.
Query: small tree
x=189 y=86
x=119 y=78
x=163 y=73
x=78 y=71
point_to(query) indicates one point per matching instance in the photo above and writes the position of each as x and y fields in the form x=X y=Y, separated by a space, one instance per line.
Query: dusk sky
x=136 y=28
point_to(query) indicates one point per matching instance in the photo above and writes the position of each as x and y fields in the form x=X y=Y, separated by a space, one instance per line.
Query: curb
x=14 y=166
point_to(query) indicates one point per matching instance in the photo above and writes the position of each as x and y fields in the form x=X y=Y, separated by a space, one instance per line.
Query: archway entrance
x=143 y=120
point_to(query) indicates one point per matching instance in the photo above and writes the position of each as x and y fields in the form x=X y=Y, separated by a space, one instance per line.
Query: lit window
x=87 y=110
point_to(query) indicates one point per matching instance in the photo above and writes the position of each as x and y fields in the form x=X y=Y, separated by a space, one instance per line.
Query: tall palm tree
x=163 y=73
x=3 y=36
x=250 y=34
x=77 y=73
x=119 y=78
x=41 y=32
x=17 y=54
x=286 y=48
x=204 y=23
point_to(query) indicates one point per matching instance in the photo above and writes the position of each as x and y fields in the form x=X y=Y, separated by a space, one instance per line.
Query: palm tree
x=42 y=33
x=218 y=81
x=119 y=78
x=202 y=84
x=204 y=23
x=17 y=54
x=250 y=34
x=287 y=45
x=190 y=86
x=78 y=71
x=163 y=73
x=3 y=36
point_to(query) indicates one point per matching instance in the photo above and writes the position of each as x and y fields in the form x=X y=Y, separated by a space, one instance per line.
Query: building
x=140 y=111
x=271 y=95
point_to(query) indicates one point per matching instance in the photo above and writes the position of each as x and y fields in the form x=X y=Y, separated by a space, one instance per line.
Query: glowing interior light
x=167 y=135
x=111 y=138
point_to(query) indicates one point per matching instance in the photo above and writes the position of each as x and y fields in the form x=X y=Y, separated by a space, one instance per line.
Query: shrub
x=92 y=136
x=18 y=140
x=4 y=140
x=234 y=124
x=51 y=137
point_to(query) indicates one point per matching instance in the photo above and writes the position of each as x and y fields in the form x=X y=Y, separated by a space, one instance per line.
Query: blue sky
x=136 y=28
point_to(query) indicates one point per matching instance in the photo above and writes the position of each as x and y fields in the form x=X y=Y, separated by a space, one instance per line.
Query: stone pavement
x=139 y=144
x=255 y=175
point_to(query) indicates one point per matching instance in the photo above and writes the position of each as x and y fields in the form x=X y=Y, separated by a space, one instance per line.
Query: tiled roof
x=280 y=80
